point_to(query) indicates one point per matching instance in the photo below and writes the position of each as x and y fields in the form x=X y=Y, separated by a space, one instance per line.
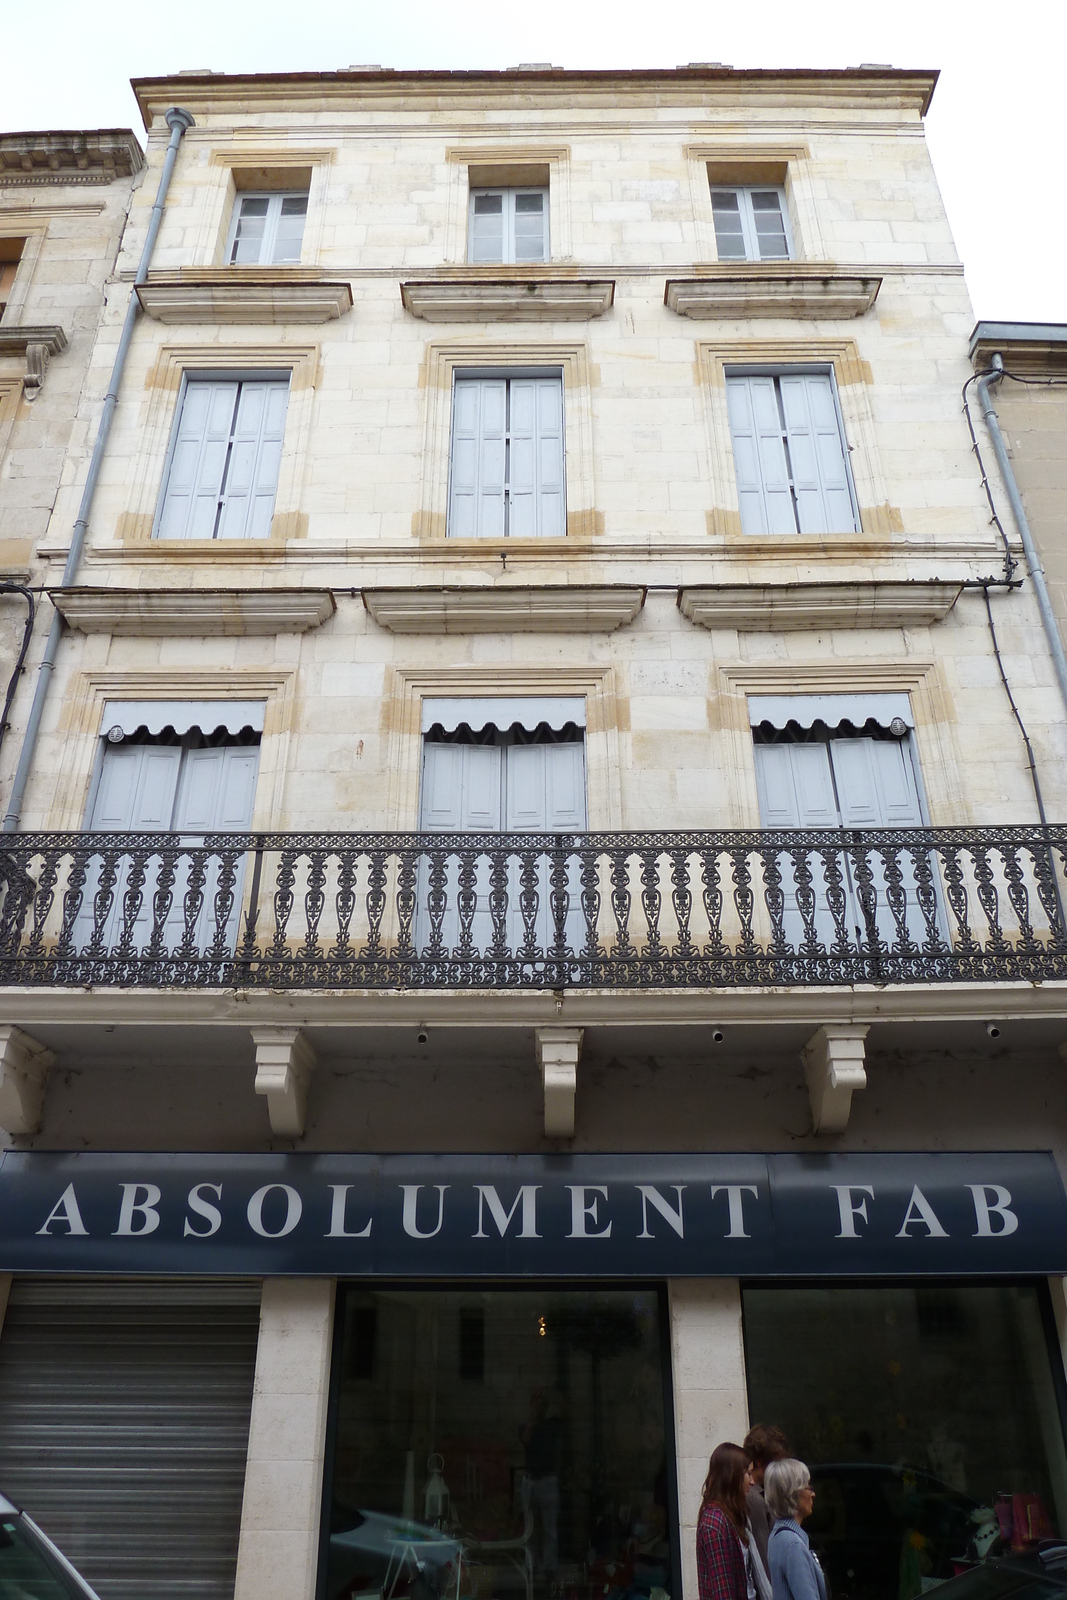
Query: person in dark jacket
x=762 y=1446
x=722 y=1572
x=795 y=1571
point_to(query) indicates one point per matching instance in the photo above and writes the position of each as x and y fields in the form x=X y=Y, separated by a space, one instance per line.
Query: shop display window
x=499 y=1445
x=929 y=1416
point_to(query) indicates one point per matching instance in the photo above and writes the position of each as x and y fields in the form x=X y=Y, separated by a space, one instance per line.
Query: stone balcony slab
x=804 y=291
x=792 y=608
x=192 y=613
x=508 y=299
x=236 y=295
x=511 y=608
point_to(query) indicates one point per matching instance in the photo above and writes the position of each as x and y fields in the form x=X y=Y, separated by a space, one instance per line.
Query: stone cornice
x=505 y=608
x=528 y=298
x=814 y=291
x=94 y=156
x=794 y=607
x=192 y=613
x=206 y=93
x=235 y=295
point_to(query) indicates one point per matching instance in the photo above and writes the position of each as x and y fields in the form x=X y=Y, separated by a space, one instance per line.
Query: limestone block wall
x=652 y=498
x=1034 y=421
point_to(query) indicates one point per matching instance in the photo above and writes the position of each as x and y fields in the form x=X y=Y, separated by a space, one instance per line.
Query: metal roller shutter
x=124 y=1412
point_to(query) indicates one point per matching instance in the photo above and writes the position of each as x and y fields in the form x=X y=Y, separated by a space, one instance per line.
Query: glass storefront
x=500 y=1445
x=929 y=1416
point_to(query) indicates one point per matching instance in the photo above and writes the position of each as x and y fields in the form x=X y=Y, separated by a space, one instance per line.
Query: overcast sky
x=996 y=127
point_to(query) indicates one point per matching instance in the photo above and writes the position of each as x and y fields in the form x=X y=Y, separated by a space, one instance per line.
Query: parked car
x=31 y=1568
x=1036 y=1575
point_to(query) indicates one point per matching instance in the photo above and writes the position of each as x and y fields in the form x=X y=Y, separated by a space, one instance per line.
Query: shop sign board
x=505 y=1216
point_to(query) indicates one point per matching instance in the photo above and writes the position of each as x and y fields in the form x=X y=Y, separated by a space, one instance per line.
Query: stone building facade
x=560 y=457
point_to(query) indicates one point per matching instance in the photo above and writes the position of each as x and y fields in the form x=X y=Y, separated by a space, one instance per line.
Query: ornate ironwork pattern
x=709 y=909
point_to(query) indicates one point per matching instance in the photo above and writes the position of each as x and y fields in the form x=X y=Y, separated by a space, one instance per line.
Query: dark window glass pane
x=530 y=202
x=361 y=1345
x=488 y=205
x=929 y=1419
x=511 y=1446
x=472 y=1346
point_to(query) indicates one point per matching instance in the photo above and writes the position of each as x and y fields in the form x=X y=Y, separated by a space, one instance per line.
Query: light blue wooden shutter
x=136 y=794
x=536 y=486
x=479 y=458
x=763 y=491
x=216 y=794
x=795 y=787
x=552 y=503
x=460 y=794
x=545 y=793
x=255 y=456
x=816 y=450
x=876 y=789
x=198 y=461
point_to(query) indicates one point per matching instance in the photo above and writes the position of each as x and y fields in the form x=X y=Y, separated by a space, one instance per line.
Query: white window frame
x=800 y=370
x=744 y=193
x=508 y=194
x=274 y=197
x=506 y=374
x=211 y=375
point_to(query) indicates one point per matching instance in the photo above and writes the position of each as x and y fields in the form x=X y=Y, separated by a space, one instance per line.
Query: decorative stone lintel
x=793 y=607
x=96 y=155
x=284 y=1064
x=37 y=345
x=505 y=608
x=247 y=297
x=24 y=1069
x=816 y=292
x=558 y=1050
x=508 y=299
x=196 y=613
x=833 y=1067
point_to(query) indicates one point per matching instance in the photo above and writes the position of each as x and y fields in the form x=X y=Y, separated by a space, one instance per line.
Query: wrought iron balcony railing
x=508 y=911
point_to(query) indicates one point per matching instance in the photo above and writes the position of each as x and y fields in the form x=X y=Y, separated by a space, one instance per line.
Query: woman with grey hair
x=795 y=1572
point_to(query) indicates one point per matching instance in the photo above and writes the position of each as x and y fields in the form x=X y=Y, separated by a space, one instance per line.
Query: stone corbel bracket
x=24 y=1069
x=833 y=1066
x=558 y=1050
x=284 y=1064
x=37 y=345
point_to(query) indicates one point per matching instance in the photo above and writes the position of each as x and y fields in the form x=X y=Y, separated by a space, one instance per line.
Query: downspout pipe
x=1033 y=560
x=177 y=120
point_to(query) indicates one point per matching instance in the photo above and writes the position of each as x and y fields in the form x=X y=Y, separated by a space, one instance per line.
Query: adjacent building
x=528 y=943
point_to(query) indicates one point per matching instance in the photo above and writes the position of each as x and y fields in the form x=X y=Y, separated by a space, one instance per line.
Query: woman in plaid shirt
x=722 y=1527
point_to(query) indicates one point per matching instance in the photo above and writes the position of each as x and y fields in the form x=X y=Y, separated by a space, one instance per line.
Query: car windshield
x=26 y=1571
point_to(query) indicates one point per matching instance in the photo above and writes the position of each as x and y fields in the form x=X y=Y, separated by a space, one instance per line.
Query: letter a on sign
x=65 y=1210
x=920 y=1210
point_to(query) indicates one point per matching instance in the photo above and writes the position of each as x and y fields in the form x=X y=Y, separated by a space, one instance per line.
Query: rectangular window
x=553 y=1474
x=10 y=256
x=503 y=780
x=188 y=784
x=790 y=455
x=222 y=475
x=267 y=230
x=751 y=224
x=928 y=1415
x=508 y=225
x=829 y=779
x=506 y=476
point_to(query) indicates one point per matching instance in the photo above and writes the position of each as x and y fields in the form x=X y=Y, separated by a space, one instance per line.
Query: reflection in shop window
x=508 y=1444
x=929 y=1417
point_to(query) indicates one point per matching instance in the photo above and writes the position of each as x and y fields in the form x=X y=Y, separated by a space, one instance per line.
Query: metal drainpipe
x=177 y=121
x=1033 y=560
